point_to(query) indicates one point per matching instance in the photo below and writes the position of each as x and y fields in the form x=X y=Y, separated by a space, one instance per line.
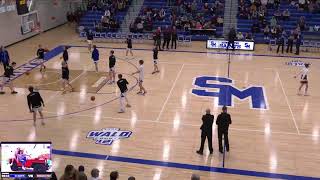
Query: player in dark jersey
x=40 y=54
x=122 y=84
x=89 y=39
x=129 y=46
x=35 y=104
x=155 y=60
x=95 y=57
x=112 y=64
x=6 y=79
x=65 y=77
x=65 y=55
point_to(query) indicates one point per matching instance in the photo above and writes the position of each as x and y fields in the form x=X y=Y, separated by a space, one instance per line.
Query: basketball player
x=303 y=79
x=129 y=46
x=35 y=103
x=6 y=78
x=40 y=55
x=65 y=77
x=65 y=55
x=112 y=64
x=95 y=57
x=89 y=39
x=142 y=90
x=122 y=84
x=155 y=60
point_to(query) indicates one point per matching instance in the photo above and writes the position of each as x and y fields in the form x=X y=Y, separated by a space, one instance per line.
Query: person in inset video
x=21 y=157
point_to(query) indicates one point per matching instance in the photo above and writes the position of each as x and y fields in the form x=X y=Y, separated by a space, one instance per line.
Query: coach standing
x=4 y=57
x=223 y=122
x=231 y=38
x=206 y=131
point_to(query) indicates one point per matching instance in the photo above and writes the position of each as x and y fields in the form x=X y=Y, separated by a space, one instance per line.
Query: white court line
x=170 y=92
x=58 y=92
x=193 y=125
x=287 y=100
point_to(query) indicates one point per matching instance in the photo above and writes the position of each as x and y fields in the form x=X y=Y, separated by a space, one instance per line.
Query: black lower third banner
x=22 y=7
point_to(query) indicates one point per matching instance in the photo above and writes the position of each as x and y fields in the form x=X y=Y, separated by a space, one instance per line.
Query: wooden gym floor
x=284 y=139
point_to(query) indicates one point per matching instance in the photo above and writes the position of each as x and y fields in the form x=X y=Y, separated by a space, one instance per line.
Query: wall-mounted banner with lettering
x=222 y=44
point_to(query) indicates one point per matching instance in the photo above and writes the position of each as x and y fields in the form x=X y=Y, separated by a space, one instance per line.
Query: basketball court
x=278 y=138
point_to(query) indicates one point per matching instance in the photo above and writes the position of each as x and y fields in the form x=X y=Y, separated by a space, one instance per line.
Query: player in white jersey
x=142 y=90
x=304 y=79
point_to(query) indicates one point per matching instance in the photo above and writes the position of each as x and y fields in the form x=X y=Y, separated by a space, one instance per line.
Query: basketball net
x=37 y=28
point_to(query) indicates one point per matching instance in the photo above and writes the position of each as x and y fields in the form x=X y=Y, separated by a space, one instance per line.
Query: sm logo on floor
x=224 y=89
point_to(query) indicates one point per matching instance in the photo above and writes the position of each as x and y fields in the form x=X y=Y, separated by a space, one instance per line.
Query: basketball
x=93 y=98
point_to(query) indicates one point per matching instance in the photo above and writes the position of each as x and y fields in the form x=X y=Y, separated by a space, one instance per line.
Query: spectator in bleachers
x=249 y=36
x=302 y=4
x=107 y=13
x=277 y=14
x=114 y=175
x=276 y=4
x=273 y=22
x=199 y=25
x=219 y=21
x=302 y=23
x=206 y=8
x=286 y=14
x=255 y=28
x=70 y=173
x=162 y=14
x=140 y=27
x=95 y=174
x=240 y=36
x=270 y=4
x=194 y=7
x=264 y=3
x=82 y=175
x=266 y=32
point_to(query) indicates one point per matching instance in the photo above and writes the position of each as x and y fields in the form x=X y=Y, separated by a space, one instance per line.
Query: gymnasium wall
x=51 y=13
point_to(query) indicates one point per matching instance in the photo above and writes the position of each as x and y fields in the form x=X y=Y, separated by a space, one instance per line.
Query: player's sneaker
x=128 y=105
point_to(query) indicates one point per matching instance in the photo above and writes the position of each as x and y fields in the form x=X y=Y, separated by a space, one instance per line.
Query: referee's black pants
x=226 y=140
x=5 y=66
x=174 y=41
x=205 y=136
x=282 y=47
x=289 y=46
x=230 y=43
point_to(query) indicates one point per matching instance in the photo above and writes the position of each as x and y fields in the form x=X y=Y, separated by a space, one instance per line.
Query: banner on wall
x=7 y=5
x=22 y=7
x=222 y=44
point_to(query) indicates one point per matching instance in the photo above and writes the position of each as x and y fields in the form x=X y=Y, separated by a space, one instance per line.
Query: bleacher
x=168 y=9
x=244 y=25
x=89 y=19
